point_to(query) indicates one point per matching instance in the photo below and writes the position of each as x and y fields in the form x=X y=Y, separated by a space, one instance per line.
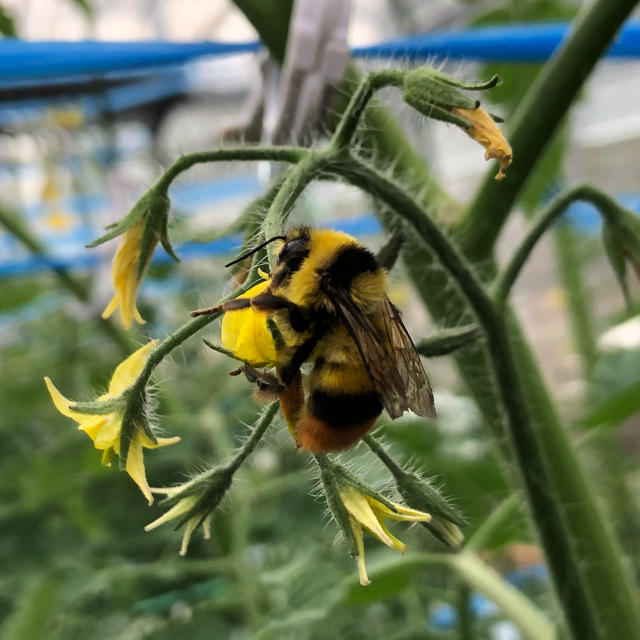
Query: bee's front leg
x=267 y=383
x=230 y=305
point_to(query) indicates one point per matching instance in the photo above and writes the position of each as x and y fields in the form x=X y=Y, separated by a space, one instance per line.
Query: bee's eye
x=295 y=249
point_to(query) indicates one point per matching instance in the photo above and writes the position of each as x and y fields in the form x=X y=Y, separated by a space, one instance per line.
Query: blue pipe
x=511 y=43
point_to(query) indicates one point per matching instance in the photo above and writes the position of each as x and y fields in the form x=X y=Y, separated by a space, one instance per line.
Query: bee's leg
x=230 y=305
x=288 y=371
x=268 y=302
x=266 y=382
x=291 y=403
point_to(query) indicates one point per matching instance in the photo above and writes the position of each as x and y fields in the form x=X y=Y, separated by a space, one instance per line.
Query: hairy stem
x=256 y=435
x=275 y=154
x=569 y=264
x=606 y=205
x=309 y=168
x=352 y=115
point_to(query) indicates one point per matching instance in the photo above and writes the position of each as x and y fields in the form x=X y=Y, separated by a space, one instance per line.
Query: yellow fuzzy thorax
x=302 y=288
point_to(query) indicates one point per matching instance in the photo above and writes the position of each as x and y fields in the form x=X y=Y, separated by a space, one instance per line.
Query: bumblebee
x=326 y=304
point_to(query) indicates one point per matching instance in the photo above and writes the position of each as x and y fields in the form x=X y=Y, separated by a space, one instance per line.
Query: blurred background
x=76 y=151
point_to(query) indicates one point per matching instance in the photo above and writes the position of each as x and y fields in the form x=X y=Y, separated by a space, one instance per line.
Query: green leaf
x=615 y=408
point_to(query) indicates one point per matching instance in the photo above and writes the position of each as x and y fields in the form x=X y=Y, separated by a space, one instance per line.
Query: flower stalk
x=192 y=503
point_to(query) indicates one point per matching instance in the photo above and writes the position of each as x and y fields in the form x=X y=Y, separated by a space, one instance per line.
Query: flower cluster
x=103 y=420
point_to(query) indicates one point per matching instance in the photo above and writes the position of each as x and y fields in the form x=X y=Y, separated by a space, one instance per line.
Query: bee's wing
x=391 y=360
x=417 y=389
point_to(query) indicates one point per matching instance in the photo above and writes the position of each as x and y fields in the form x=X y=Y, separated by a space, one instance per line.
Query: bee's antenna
x=250 y=253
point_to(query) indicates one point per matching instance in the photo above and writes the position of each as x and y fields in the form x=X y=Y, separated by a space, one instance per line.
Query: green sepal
x=155 y=229
x=330 y=484
x=423 y=87
x=212 y=490
x=118 y=228
x=422 y=494
x=134 y=417
x=99 y=407
x=435 y=112
x=222 y=350
x=493 y=82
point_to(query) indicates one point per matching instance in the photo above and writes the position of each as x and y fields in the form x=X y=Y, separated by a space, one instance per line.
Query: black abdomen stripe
x=344 y=409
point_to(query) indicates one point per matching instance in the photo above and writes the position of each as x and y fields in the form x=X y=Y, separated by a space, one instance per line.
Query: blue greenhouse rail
x=21 y=59
x=582 y=215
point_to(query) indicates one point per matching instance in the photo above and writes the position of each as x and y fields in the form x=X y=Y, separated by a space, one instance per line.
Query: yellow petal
x=124 y=270
x=360 y=510
x=188 y=531
x=161 y=442
x=362 y=568
x=135 y=467
x=485 y=131
x=109 y=435
x=92 y=427
x=127 y=372
x=401 y=512
x=397 y=544
x=111 y=307
x=62 y=404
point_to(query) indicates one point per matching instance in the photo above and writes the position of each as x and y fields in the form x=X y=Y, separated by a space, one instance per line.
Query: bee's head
x=292 y=254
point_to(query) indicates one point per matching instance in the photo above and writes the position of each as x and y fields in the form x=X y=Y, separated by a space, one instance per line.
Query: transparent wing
x=418 y=392
x=389 y=356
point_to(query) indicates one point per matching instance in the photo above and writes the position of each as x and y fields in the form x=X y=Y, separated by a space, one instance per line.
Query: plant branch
x=256 y=435
x=310 y=166
x=352 y=115
x=607 y=206
x=136 y=392
x=228 y=154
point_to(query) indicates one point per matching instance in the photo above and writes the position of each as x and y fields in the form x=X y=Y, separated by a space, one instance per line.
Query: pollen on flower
x=485 y=131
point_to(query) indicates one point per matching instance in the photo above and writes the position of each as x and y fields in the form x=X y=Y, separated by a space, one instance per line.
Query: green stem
x=465 y=615
x=583 y=557
x=538 y=117
x=480 y=576
x=352 y=115
x=500 y=518
x=375 y=182
x=309 y=167
x=136 y=394
x=274 y=154
x=570 y=264
x=256 y=435
x=609 y=209
x=76 y=287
